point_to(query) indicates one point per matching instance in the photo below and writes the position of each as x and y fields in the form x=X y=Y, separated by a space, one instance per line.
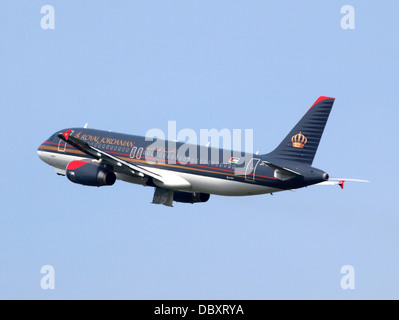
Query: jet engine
x=190 y=197
x=89 y=174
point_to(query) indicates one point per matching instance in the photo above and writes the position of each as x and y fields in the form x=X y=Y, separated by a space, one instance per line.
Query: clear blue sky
x=130 y=66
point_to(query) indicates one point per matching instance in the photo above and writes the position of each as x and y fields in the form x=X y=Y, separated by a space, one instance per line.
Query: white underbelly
x=218 y=186
x=57 y=160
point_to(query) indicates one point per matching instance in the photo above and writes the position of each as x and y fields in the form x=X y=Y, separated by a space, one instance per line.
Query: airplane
x=98 y=158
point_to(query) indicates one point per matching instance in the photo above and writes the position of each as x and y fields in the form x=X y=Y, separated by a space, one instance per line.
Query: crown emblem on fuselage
x=299 y=140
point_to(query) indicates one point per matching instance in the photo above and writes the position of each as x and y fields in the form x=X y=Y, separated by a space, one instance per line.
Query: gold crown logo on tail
x=299 y=140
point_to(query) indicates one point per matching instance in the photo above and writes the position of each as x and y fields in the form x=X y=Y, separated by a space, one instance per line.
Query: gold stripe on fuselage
x=135 y=161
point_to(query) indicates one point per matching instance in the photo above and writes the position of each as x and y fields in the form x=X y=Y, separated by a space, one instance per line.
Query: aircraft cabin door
x=251 y=169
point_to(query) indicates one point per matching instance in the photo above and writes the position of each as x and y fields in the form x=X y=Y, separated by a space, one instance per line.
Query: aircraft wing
x=170 y=180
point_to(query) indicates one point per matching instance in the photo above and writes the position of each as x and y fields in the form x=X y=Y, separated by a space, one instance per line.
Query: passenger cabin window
x=139 y=153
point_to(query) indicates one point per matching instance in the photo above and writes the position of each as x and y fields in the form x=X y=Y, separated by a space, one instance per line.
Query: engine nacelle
x=190 y=197
x=89 y=174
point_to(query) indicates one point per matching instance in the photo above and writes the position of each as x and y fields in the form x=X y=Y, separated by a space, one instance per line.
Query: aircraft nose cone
x=42 y=155
x=40 y=152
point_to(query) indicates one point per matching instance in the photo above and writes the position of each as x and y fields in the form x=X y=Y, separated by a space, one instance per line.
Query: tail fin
x=302 y=142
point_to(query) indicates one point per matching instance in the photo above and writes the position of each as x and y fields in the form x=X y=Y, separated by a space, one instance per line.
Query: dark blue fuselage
x=188 y=159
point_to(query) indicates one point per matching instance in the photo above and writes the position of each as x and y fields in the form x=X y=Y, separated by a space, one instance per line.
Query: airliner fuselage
x=97 y=158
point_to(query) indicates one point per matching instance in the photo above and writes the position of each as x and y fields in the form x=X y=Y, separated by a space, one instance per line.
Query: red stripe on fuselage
x=161 y=162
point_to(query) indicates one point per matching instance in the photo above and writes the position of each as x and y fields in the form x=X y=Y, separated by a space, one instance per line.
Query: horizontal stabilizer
x=282 y=173
x=339 y=182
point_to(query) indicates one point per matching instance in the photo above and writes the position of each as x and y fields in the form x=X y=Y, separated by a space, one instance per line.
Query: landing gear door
x=251 y=169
